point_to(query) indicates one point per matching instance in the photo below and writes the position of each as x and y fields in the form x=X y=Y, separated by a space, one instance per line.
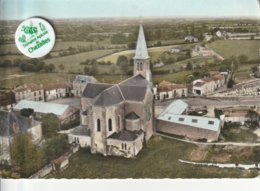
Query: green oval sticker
x=35 y=37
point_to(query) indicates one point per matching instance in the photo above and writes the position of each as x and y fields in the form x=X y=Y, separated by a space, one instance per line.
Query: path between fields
x=240 y=144
x=220 y=165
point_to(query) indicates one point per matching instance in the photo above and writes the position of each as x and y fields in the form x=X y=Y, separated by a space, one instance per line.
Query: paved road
x=220 y=165
x=205 y=143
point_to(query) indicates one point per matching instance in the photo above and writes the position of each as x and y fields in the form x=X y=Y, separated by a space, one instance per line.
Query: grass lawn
x=238 y=135
x=158 y=160
x=228 y=48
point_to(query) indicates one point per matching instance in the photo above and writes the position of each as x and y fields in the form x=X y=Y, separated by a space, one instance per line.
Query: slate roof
x=133 y=93
x=110 y=96
x=132 y=115
x=137 y=80
x=93 y=89
x=141 y=51
x=7 y=119
x=126 y=135
x=80 y=130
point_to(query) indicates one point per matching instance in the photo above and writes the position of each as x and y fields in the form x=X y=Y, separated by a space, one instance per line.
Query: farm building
x=65 y=113
x=173 y=120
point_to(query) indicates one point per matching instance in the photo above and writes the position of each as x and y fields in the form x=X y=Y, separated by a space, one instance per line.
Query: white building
x=29 y=92
x=168 y=90
x=191 y=38
x=65 y=113
x=55 y=91
x=80 y=82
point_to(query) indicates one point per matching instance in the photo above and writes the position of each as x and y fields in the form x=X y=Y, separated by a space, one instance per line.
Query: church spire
x=141 y=51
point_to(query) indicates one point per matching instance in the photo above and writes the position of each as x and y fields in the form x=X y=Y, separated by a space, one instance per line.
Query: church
x=117 y=119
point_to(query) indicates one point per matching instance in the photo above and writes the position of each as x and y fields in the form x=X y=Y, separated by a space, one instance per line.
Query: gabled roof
x=84 y=79
x=175 y=108
x=141 y=51
x=132 y=115
x=109 y=97
x=125 y=135
x=93 y=89
x=137 y=80
x=7 y=119
x=133 y=93
x=42 y=107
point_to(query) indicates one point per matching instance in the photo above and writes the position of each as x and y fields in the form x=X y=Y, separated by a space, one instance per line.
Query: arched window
x=118 y=121
x=110 y=124
x=138 y=66
x=141 y=66
x=98 y=125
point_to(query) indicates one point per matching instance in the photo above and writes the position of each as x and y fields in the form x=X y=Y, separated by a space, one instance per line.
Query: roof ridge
x=120 y=92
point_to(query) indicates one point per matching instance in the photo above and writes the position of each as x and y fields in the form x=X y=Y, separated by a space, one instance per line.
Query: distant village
x=118 y=119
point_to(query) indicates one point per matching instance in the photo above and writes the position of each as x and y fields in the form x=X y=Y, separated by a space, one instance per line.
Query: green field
x=159 y=159
x=13 y=78
x=228 y=48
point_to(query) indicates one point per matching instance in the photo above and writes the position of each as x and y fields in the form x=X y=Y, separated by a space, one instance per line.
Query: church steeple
x=141 y=58
x=141 y=51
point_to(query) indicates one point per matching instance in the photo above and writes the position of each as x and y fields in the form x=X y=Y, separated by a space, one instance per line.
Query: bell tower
x=141 y=58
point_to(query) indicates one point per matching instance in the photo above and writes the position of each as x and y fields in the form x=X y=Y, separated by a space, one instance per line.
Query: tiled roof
x=31 y=86
x=57 y=86
x=199 y=84
x=168 y=86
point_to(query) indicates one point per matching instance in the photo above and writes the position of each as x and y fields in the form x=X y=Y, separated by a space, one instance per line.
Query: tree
x=50 y=125
x=124 y=68
x=231 y=83
x=254 y=69
x=121 y=60
x=189 y=66
x=27 y=112
x=112 y=69
x=61 y=67
x=86 y=70
x=243 y=59
x=55 y=147
x=94 y=70
x=253 y=118
x=25 y=156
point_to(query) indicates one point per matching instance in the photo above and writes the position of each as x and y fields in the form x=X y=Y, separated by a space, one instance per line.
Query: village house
x=159 y=64
x=64 y=113
x=168 y=90
x=30 y=91
x=57 y=90
x=118 y=118
x=219 y=81
x=12 y=123
x=205 y=52
x=7 y=100
x=80 y=82
x=202 y=87
x=174 y=120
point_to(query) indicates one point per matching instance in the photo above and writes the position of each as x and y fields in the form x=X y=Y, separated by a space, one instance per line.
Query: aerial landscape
x=133 y=97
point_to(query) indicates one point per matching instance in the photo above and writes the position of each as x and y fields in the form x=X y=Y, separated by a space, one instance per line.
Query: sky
x=22 y=9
